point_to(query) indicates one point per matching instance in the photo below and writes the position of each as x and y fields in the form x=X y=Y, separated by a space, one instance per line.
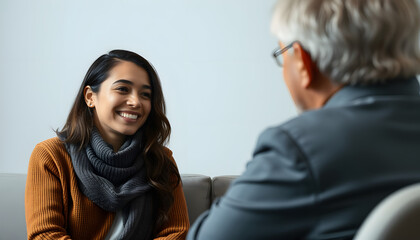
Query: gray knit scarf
x=116 y=181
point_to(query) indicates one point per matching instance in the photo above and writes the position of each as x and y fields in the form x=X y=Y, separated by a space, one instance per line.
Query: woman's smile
x=130 y=116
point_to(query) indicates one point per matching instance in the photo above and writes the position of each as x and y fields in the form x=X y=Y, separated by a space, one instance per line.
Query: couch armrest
x=12 y=206
x=197 y=191
x=220 y=184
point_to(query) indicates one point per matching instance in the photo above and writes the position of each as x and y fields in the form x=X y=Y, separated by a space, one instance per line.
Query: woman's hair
x=162 y=172
x=354 y=41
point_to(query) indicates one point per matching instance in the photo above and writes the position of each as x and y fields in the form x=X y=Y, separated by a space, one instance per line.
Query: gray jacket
x=318 y=176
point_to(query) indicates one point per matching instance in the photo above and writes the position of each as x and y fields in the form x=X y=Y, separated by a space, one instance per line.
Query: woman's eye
x=122 y=89
x=146 y=95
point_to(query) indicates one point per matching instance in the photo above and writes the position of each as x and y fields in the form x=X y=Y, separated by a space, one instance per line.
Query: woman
x=108 y=175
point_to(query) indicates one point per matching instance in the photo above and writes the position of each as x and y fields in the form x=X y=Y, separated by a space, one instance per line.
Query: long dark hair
x=162 y=173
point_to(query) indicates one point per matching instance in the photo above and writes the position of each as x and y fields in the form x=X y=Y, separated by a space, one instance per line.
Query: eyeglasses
x=278 y=53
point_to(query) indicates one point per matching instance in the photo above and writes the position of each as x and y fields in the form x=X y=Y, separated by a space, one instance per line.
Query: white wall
x=221 y=84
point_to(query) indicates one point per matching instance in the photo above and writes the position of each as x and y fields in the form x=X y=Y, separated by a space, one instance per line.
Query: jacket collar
x=399 y=86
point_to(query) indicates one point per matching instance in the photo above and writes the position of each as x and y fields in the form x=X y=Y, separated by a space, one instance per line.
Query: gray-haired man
x=350 y=66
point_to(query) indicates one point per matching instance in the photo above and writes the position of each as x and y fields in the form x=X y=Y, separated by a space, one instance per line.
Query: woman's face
x=123 y=102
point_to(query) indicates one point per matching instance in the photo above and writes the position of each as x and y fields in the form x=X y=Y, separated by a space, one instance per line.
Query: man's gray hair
x=354 y=41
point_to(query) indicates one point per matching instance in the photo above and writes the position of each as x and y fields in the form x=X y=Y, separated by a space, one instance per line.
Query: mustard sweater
x=55 y=208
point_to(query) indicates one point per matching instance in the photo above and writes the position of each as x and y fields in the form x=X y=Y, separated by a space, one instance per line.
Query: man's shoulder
x=312 y=117
x=314 y=124
x=304 y=120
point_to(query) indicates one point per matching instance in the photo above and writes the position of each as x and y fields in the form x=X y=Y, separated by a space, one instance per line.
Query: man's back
x=320 y=174
x=363 y=145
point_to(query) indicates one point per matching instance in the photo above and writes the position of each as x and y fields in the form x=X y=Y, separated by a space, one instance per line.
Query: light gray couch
x=199 y=190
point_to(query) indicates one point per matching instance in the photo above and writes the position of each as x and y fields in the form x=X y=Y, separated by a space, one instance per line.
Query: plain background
x=221 y=85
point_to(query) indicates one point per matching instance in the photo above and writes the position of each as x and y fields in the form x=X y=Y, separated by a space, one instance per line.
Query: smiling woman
x=107 y=174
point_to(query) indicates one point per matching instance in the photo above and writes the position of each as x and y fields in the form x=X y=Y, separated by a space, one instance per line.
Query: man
x=350 y=66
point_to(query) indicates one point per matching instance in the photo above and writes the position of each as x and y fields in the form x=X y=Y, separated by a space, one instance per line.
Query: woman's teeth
x=130 y=116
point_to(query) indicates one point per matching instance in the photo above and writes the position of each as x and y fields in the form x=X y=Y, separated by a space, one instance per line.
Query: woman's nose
x=133 y=101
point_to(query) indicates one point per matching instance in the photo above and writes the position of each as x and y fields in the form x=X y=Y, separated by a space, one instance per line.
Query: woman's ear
x=88 y=95
x=307 y=67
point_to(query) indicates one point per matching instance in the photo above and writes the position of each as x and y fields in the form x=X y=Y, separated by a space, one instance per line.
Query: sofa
x=200 y=191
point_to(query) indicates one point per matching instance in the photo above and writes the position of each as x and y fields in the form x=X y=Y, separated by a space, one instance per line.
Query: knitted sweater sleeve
x=178 y=222
x=44 y=197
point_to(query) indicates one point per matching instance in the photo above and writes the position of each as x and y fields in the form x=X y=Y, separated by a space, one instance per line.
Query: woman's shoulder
x=169 y=154
x=52 y=145
x=51 y=150
x=168 y=151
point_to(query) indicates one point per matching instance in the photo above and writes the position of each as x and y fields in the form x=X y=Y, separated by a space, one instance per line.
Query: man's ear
x=88 y=95
x=307 y=66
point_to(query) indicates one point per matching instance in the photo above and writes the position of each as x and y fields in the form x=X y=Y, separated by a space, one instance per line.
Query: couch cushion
x=197 y=190
x=12 y=206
